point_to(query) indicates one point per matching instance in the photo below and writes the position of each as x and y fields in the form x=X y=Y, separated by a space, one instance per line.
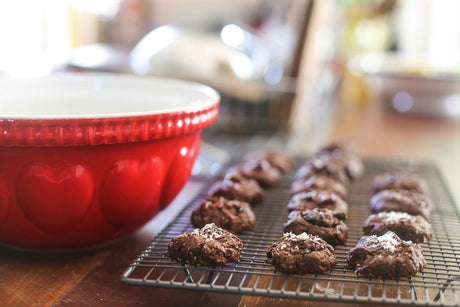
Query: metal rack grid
x=438 y=284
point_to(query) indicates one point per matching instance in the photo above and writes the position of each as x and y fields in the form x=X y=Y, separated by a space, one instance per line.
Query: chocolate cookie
x=401 y=200
x=301 y=254
x=319 y=182
x=323 y=166
x=352 y=165
x=386 y=256
x=207 y=246
x=275 y=157
x=344 y=154
x=261 y=171
x=232 y=215
x=239 y=188
x=317 y=199
x=399 y=181
x=408 y=227
x=324 y=223
x=340 y=147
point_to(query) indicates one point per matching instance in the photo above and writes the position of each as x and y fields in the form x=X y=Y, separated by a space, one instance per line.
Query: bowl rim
x=97 y=129
x=445 y=78
x=93 y=79
x=395 y=60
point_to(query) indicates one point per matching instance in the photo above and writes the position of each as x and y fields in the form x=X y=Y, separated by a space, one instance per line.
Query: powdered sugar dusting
x=395 y=216
x=289 y=235
x=209 y=232
x=302 y=236
x=387 y=241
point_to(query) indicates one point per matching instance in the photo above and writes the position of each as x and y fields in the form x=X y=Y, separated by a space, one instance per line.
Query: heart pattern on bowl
x=131 y=191
x=183 y=160
x=55 y=199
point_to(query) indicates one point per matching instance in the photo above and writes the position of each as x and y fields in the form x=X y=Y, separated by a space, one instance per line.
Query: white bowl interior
x=86 y=95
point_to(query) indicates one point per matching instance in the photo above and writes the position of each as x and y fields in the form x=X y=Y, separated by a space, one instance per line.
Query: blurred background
x=292 y=73
x=276 y=63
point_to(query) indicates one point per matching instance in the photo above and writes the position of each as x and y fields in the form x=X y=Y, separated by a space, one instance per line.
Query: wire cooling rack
x=438 y=284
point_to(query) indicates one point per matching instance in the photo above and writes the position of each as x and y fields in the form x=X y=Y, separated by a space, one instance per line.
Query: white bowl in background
x=410 y=86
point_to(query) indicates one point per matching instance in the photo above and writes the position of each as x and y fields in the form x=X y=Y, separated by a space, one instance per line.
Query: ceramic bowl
x=410 y=86
x=88 y=158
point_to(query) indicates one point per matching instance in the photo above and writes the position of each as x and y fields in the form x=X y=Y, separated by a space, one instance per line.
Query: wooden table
x=91 y=278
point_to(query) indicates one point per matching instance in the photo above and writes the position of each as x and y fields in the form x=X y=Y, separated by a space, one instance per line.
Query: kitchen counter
x=92 y=278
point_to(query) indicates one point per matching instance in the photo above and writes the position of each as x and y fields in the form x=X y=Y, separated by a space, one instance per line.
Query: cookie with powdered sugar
x=233 y=215
x=386 y=256
x=208 y=246
x=408 y=227
x=327 y=224
x=301 y=254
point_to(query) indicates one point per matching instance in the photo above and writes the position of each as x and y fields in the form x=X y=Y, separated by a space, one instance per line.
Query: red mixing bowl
x=88 y=158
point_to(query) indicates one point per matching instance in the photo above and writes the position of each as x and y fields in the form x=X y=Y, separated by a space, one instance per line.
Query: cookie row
x=330 y=169
x=320 y=208
x=228 y=211
x=317 y=211
x=389 y=246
